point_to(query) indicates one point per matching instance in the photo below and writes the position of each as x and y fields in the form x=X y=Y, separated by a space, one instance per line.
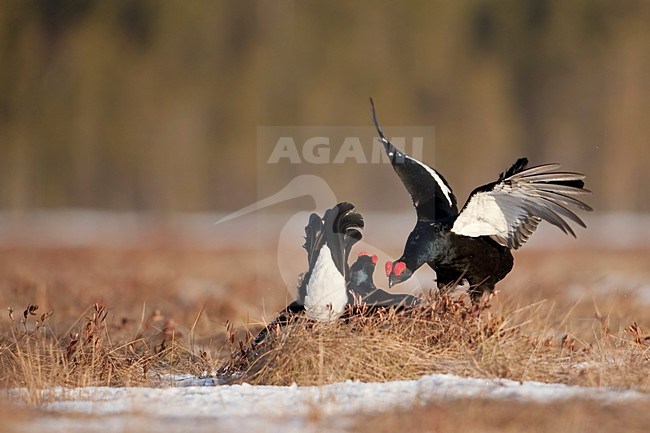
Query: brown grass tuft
x=33 y=356
x=447 y=335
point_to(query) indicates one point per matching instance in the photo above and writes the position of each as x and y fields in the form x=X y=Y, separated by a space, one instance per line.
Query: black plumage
x=474 y=244
x=322 y=291
x=363 y=292
x=339 y=229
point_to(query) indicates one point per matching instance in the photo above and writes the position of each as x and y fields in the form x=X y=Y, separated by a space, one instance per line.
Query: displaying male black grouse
x=328 y=241
x=475 y=243
x=329 y=286
x=365 y=294
x=322 y=291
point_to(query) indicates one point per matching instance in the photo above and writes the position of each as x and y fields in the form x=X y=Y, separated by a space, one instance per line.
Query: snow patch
x=281 y=408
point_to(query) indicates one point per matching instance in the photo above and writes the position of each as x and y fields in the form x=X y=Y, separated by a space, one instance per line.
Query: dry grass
x=163 y=310
x=148 y=312
x=387 y=346
x=447 y=335
x=34 y=357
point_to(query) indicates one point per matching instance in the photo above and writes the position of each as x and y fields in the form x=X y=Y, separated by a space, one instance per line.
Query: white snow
x=189 y=404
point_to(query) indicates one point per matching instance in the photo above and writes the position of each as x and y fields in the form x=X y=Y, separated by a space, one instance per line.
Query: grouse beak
x=391 y=283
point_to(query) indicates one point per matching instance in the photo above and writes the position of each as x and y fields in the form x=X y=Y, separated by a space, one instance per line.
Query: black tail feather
x=343 y=227
x=314 y=238
x=339 y=228
x=518 y=166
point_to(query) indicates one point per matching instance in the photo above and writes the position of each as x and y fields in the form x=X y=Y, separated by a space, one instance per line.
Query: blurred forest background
x=154 y=105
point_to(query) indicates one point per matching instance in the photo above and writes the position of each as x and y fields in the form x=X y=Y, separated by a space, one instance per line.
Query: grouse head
x=361 y=271
x=397 y=272
x=367 y=259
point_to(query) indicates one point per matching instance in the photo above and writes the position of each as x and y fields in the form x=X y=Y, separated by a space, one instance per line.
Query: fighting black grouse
x=474 y=244
x=322 y=290
x=328 y=241
x=329 y=286
x=365 y=294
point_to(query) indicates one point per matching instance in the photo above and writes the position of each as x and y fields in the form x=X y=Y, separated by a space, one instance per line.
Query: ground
x=142 y=313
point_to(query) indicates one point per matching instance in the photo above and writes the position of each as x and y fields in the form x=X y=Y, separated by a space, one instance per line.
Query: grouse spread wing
x=510 y=209
x=430 y=192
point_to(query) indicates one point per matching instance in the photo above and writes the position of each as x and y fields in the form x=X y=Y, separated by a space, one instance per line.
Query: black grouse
x=475 y=243
x=329 y=286
x=322 y=291
x=328 y=242
x=366 y=295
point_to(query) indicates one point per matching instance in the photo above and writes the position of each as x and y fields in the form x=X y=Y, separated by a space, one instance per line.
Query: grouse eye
x=399 y=268
x=388 y=268
x=374 y=259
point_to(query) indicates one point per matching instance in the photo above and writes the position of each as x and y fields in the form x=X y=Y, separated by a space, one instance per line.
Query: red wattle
x=388 y=267
x=399 y=268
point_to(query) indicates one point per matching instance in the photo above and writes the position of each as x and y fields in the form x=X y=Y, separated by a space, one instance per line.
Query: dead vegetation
x=446 y=335
x=151 y=314
x=33 y=356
